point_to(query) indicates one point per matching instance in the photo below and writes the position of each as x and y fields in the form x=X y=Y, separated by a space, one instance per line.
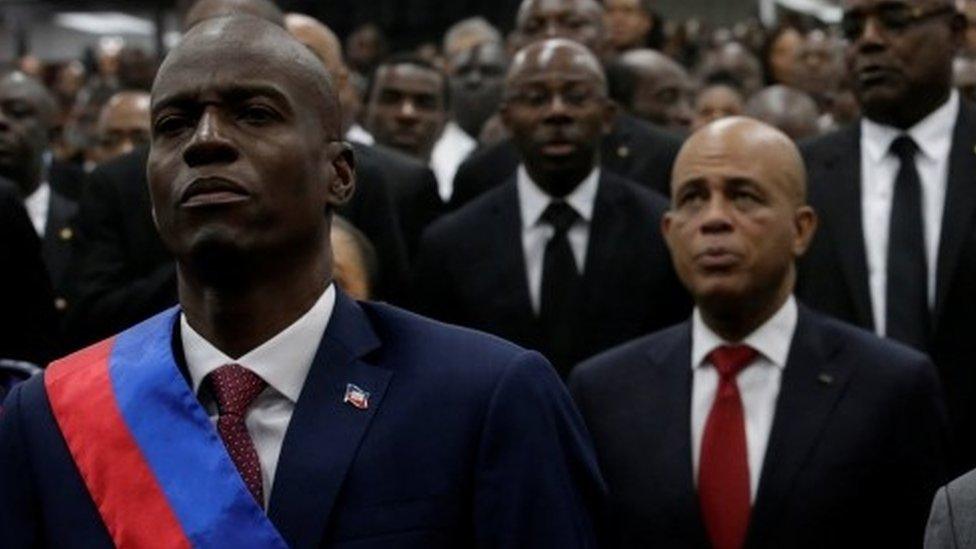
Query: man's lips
x=870 y=75
x=212 y=191
x=558 y=148
x=717 y=259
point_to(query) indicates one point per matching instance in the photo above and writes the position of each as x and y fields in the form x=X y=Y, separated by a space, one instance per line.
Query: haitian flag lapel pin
x=356 y=397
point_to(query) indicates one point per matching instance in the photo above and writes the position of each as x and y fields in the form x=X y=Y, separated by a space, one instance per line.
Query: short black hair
x=413 y=60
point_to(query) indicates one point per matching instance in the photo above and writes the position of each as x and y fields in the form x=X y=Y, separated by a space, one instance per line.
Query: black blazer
x=833 y=277
x=856 y=451
x=124 y=274
x=28 y=325
x=67 y=179
x=59 y=235
x=634 y=150
x=471 y=270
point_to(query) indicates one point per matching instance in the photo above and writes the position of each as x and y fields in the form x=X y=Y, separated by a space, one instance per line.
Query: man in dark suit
x=896 y=193
x=632 y=149
x=269 y=409
x=564 y=257
x=26 y=116
x=28 y=325
x=759 y=423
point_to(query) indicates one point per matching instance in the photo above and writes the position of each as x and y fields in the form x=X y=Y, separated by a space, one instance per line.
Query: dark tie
x=723 y=469
x=560 y=285
x=235 y=388
x=906 y=296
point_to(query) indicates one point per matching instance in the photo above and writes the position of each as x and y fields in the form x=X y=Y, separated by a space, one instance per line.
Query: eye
x=258 y=114
x=690 y=197
x=170 y=124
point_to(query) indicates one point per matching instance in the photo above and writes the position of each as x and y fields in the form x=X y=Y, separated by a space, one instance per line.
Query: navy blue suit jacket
x=855 y=454
x=467 y=441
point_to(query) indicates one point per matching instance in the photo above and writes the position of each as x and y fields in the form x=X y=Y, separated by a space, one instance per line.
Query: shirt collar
x=37 y=205
x=772 y=339
x=282 y=362
x=932 y=134
x=533 y=201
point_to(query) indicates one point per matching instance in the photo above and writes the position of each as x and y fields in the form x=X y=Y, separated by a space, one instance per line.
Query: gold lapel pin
x=826 y=379
x=623 y=151
x=66 y=233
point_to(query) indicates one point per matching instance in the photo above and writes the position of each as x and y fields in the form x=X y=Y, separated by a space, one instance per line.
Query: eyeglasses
x=893 y=16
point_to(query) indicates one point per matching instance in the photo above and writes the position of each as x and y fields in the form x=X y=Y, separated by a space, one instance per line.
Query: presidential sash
x=146 y=449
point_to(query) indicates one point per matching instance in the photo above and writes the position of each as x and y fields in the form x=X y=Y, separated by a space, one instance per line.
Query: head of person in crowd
x=557 y=110
x=137 y=69
x=27 y=114
x=968 y=9
x=355 y=268
x=820 y=65
x=787 y=109
x=734 y=61
x=209 y=9
x=652 y=86
x=406 y=105
x=577 y=20
x=123 y=125
x=68 y=82
x=365 y=47
x=964 y=76
x=493 y=131
x=738 y=222
x=632 y=24
x=246 y=155
x=716 y=100
x=899 y=55
x=477 y=78
x=327 y=47
x=469 y=33
x=780 y=55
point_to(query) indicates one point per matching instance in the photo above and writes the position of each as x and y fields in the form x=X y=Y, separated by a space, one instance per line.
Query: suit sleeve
x=537 y=480
x=939 y=534
x=18 y=501
x=109 y=296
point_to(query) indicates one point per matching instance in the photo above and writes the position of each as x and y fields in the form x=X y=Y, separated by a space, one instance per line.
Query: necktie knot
x=560 y=215
x=905 y=148
x=234 y=388
x=729 y=360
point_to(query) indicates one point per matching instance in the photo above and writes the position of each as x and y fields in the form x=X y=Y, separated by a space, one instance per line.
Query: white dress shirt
x=359 y=134
x=451 y=148
x=37 y=204
x=282 y=361
x=879 y=168
x=758 y=383
x=533 y=202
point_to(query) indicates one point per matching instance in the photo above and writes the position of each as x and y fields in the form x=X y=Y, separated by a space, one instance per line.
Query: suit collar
x=325 y=432
x=811 y=387
x=533 y=201
x=841 y=186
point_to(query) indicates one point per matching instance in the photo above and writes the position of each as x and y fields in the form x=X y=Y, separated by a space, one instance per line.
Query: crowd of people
x=742 y=261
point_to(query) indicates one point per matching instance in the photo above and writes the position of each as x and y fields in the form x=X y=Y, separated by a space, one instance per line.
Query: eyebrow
x=233 y=93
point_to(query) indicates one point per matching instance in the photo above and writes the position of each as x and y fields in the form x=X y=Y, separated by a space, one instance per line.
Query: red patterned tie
x=723 y=472
x=235 y=388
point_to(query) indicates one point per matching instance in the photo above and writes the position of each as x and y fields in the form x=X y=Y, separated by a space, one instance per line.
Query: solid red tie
x=235 y=388
x=723 y=471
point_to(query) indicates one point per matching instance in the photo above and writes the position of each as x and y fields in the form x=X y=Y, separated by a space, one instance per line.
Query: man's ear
x=806 y=227
x=343 y=163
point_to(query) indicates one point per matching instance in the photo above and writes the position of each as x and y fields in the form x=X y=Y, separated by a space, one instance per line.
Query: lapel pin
x=623 y=151
x=826 y=379
x=66 y=233
x=356 y=397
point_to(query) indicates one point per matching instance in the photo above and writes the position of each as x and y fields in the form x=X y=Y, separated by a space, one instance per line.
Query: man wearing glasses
x=896 y=194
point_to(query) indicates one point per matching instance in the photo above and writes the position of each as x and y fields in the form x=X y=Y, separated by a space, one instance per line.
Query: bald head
x=554 y=56
x=320 y=39
x=123 y=124
x=209 y=9
x=650 y=61
x=218 y=49
x=792 y=111
x=659 y=89
x=742 y=141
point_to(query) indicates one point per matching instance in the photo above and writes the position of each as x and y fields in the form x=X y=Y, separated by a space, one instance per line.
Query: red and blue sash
x=146 y=449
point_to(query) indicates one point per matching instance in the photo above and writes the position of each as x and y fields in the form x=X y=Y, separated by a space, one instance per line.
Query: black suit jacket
x=124 y=274
x=634 y=150
x=59 y=235
x=28 y=325
x=471 y=270
x=67 y=179
x=833 y=277
x=855 y=454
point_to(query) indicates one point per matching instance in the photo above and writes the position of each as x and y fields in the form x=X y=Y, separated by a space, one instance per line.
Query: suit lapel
x=960 y=205
x=324 y=433
x=810 y=388
x=842 y=188
x=667 y=389
x=511 y=278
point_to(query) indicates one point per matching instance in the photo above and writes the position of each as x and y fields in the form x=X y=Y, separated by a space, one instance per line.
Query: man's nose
x=716 y=216
x=209 y=143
